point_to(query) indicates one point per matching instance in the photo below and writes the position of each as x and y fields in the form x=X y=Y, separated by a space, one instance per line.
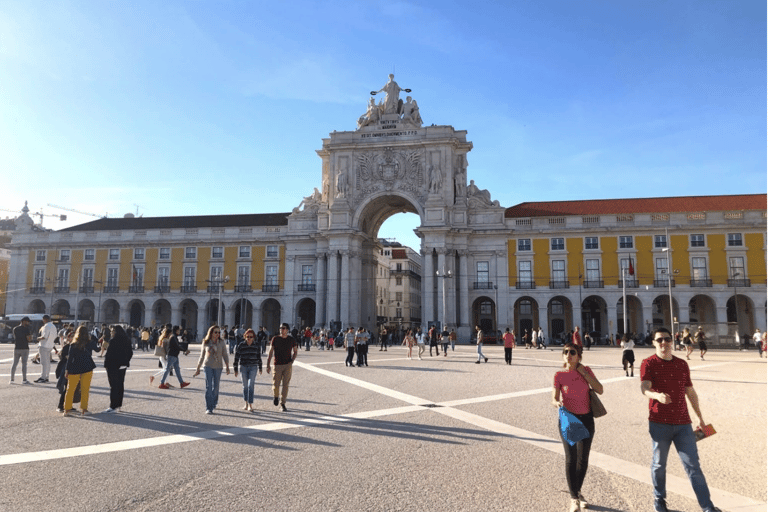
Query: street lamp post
x=445 y=275
x=736 y=300
x=98 y=311
x=219 y=281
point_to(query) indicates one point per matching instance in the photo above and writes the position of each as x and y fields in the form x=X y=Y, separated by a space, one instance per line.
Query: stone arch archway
x=37 y=307
x=270 y=315
x=60 y=309
x=136 y=313
x=161 y=313
x=110 y=312
x=594 y=312
x=560 y=316
x=484 y=315
x=305 y=313
x=86 y=311
x=526 y=315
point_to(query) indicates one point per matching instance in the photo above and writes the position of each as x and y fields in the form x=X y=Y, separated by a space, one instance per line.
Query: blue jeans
x=172 y=364
x=663 y=436
x=249 y=379
x=212 y=379
x=480 y=354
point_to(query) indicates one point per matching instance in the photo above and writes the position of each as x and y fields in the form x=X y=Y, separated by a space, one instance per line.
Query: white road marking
x=677 y=485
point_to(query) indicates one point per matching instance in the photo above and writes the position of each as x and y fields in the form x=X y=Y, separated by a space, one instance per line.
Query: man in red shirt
x=666 y=381
x=577 y=336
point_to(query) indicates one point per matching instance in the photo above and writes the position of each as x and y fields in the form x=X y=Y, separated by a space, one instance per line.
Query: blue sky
x=204 y=107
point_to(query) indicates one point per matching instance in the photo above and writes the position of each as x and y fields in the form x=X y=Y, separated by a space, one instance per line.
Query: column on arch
x=345 y=289
x=502 y=287
x=428 y=304
x=321 y=290
x=332 y=288
x=441 y=285
x=464 y=305
x=290 y=291
x=450 y=287
x=355 y=284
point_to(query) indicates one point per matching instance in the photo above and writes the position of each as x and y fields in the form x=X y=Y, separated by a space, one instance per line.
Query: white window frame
x=735 y=240
x=626 y=242
x=190 y=253
x=588 y=242
x=524 y=244
x=217 y=252
x=164 y=253
x=114 y=255
x=89 y=255
x=557 y=244
x=695 y=241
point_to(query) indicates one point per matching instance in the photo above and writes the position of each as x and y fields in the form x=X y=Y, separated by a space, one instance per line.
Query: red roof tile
x=639 y=205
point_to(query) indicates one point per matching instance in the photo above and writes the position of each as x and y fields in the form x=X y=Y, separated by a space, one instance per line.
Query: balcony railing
x=61 y=289
x=559 y=284
x=270 y=288
x=629 y=283
x=701 y=283
x=111 y=289
x=162 y=288
x=525 y=285
x=243 y=288
x=306 y=287
x=214 y=288
x=86 y=289
x=189 y=288
x=739 y=283
x=483 y=285
x=37 y=289
x=595 y=283
x=136 y=289
x=662 y=283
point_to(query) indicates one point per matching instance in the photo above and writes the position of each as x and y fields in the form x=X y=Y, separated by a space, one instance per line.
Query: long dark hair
x=119 y=335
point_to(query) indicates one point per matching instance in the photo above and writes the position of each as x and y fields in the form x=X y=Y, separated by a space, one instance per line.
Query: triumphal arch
x=392 y=163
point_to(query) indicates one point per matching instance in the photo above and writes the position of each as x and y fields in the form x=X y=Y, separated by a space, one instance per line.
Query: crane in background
x=78 y=211
x=39 y=214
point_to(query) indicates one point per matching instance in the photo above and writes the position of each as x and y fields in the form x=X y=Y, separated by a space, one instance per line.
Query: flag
x=631 y=268
x=135 y=274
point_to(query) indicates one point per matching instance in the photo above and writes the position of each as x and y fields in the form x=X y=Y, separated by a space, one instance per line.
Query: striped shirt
x=247 y=355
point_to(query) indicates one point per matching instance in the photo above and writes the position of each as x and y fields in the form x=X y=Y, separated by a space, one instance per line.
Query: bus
x=8 y=322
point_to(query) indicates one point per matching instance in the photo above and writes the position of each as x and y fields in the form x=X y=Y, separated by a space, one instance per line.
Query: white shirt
x=757 y=337
x=48 y=333
x=628 y=345
x=421 y=338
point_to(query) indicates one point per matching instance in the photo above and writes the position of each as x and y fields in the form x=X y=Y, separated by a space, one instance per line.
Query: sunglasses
x=570 y=352
x=249 y=337
x=283 y=328
x=665 y=339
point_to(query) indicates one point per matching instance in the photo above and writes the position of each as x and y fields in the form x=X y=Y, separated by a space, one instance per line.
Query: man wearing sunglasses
x=666 y=381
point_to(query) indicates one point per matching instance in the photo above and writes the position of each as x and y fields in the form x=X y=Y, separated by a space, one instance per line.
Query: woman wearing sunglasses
x=213 y=356
x=248 y=358
x=571 y=391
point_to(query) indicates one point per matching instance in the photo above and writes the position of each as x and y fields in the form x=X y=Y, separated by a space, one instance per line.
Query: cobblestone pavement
x=438 y=434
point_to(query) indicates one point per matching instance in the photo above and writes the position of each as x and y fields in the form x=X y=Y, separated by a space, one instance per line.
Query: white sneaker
x=575 y=505
x=583 y=502
x=109 y=409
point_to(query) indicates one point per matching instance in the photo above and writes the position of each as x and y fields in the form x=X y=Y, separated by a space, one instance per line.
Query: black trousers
x=116 y=387
x=437 y=349
x=577 y=456
x=350 y=355
x=508 y=355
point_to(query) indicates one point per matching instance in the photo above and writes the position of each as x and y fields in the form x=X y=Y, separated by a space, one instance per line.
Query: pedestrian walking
x=172 y=359
x=571 y=392
x=213 y=357
x=350 y=342
x=362 y=338
x=445 y=339
x=248 y=361
x=46 y=342
x=21 y=338
x=666 y=382
x=79 y=369
x=161 y=352
x=687 y=343
x=117 y=359
x=61 y=380
x=628 y=355
x=452 y=336
x=421 y=341
x=433 y=334
x=409 y=341
x=284 y=348
x=509 y=345
x=480 y=337
x=700 y=337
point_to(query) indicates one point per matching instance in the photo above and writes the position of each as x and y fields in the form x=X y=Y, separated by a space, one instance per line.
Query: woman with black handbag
x=571 y=391
x=61 y=382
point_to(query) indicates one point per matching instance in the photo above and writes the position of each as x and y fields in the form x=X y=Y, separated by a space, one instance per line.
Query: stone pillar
x=320 y=319
x=543 y=322
x=354 y=282
x=612 y=325
x=428 y=308
x=647 y=317
x=502 y=283
x=289 y=284
x=345 y=290
x=450 y=286
x=463 y=317
x=332 y=288
x=442 y=287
